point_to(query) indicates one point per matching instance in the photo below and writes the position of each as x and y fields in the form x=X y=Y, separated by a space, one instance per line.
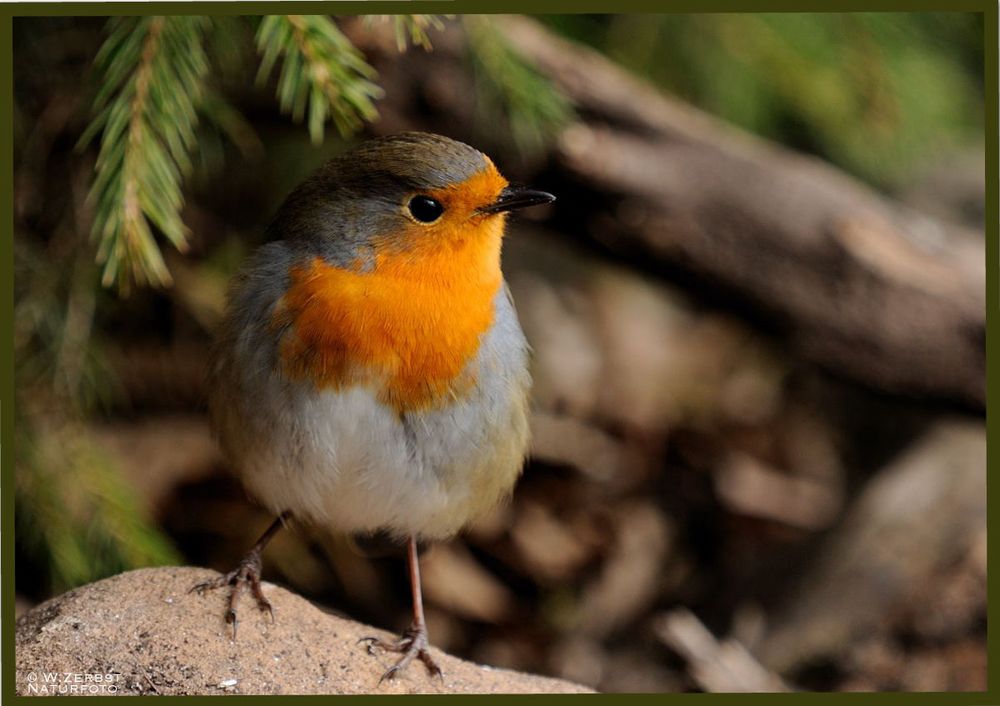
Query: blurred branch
x=510 y=86
x=882 y=95
x=77 y=511
x=57 y=296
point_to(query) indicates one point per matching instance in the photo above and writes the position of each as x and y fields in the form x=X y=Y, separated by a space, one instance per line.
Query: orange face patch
x=408 y=328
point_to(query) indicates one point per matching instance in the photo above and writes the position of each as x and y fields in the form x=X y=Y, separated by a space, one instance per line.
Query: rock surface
x=142 y=632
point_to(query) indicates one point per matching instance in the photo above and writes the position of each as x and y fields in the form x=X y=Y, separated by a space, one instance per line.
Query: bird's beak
x=513 y=197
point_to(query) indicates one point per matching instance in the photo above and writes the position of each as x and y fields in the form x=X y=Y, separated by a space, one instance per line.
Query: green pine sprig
x=411 y=29
x=154 y=71
x=322 y=73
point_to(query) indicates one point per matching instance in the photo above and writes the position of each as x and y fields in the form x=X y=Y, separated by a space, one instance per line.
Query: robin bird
x=371 y=374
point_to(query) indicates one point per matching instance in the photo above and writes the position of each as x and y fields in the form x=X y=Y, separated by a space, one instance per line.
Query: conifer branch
x=321 y=72
x=154 y=70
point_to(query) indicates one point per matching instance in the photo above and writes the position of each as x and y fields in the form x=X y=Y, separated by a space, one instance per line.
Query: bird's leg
x=413 y=643
x=246 y=575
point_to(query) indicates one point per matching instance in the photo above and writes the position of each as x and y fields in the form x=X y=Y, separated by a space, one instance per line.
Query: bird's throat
x=407 y=329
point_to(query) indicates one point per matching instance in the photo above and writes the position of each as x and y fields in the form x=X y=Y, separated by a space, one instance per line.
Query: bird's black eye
x=425 y=209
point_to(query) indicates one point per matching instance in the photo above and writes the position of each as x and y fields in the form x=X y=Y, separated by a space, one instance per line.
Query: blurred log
x=921 y=513
x=454 y=580
x=856 y=283
x=615 y=348
x=864 y=286
x=630 y=579
x=725 y=666
x=549 y=548
x=620 y=359
x=563 y=439
x=748 y=486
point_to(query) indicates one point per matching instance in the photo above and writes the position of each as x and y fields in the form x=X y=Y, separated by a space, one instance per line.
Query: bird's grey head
x=404 y=190
x=365 y=192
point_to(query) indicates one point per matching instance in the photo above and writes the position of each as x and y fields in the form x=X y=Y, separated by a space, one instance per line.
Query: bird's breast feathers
x=406 y=328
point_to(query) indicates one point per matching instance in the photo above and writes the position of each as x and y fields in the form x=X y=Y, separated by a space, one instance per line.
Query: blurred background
x=757 y=314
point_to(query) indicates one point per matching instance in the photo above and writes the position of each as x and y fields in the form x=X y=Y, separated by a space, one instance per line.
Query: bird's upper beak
x=513 y=197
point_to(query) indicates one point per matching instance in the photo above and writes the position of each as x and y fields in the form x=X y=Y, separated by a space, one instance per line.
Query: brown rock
x=142 y=632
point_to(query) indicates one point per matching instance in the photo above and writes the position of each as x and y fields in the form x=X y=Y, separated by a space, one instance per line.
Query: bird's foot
x=412 y=645
x=245 y=575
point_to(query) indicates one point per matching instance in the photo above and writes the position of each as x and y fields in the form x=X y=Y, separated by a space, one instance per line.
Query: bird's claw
x=413 y=644
x=246 y=575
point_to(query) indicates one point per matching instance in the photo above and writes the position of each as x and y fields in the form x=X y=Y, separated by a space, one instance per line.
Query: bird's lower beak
x=514 y=197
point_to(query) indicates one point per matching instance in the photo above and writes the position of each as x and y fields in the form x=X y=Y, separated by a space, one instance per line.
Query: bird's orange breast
x=407 y=329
